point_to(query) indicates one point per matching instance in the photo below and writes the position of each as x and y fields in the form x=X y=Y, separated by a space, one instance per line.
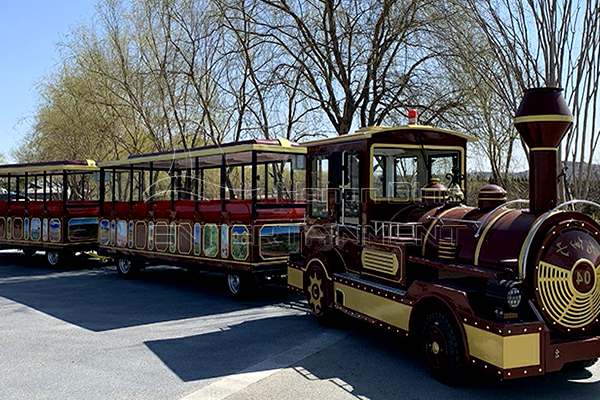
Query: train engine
x=510 y=287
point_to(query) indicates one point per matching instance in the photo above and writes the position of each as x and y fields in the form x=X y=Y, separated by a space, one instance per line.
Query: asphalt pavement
x=81 y=332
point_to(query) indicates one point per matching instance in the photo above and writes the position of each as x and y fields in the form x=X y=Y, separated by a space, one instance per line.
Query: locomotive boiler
x=511 y=287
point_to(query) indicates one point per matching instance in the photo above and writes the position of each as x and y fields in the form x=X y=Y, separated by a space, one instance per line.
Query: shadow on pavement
x=231 y=350
x=93 y=296
x=381 y=366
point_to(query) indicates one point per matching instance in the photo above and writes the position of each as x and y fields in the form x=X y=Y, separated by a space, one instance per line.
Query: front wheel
x=239 y=287
x=127 y=269
x=442 y=349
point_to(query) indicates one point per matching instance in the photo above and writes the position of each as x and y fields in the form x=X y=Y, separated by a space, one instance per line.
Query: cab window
x=318 y=184
x=400 y=173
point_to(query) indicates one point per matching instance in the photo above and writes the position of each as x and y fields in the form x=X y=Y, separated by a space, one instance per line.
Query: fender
x=453 y=301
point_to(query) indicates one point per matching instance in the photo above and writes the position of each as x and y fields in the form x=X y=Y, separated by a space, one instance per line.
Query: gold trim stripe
x=483 y=235
x=543 y=118
x=431 y=226
x=526 y=244
x=49 y=168
x=543 y=149
x=426 y=189
x=165 y=252
x=502 y=192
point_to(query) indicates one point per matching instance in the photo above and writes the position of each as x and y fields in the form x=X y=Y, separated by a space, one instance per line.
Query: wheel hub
x=436 y=351
x=316 y=294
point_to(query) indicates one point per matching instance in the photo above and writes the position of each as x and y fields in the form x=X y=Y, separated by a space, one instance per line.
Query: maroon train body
x=515 y=292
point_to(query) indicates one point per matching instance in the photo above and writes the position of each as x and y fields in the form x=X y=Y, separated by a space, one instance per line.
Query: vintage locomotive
x=515 y=292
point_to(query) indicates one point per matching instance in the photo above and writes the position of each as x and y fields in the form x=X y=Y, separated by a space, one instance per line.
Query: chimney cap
x=543 y=117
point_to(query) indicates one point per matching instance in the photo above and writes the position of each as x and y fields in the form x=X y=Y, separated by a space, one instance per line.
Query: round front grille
x=568 y=278
x=560 y=298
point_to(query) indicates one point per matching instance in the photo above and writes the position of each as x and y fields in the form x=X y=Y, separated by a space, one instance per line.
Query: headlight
x=514 y=297
x=506 y=294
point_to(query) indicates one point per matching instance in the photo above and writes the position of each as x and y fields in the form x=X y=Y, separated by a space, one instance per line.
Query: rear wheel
x=127 y=269
x=240 y=287
x=318 y=294
x=442 y=349
x=54 y=258
x=28 y=252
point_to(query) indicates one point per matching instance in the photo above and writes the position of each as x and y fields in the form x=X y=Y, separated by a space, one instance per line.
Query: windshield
x=400 y=173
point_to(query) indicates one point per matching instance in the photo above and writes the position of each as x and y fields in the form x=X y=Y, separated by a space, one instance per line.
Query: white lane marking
x=236 y=382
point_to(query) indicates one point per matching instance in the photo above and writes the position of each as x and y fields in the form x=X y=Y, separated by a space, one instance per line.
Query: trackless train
x=515 y=292
x=381 y=235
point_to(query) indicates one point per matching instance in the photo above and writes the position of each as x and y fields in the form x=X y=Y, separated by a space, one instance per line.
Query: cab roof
x=49 y=167
x=370 y=131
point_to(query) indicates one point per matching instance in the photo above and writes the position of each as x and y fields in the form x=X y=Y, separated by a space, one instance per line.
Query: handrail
x=383 y=226
x=575 y=201
x=488 y=215
x=466 y=221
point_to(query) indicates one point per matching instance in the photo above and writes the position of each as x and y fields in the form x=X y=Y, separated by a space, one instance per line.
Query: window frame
x=310 y=200
x=462 y=162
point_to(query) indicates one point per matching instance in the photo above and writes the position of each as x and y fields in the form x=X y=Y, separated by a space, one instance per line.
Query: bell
x=455 y=194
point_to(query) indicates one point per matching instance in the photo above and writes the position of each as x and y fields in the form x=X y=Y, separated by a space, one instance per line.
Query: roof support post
x=223 y=179
x=26 y=184
x=65 y=194
x=254 y=192
x=102 y=191
x=44 y=188
x=8 y=196
x=130 y=187
x=114 y=189
x=196 y=170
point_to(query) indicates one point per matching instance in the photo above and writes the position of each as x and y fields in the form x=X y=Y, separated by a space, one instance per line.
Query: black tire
x=579 y=365
x=318 y=293
x=54 y=257
x=127 y=269
x=443 y=349
x=28 y=252
x=239 y=286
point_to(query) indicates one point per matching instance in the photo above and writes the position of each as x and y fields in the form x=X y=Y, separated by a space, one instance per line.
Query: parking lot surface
x=82 y=332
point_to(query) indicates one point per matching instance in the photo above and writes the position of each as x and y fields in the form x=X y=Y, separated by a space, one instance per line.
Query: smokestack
x=542 y=120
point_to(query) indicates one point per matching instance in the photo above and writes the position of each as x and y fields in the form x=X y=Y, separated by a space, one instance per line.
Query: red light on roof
x=412 y=117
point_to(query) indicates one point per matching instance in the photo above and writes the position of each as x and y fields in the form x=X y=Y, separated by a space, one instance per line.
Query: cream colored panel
x=295 y=278
x=504 y=351
x=375 y=306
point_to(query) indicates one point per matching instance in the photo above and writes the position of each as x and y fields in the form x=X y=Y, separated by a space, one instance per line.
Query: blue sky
x=29 y=33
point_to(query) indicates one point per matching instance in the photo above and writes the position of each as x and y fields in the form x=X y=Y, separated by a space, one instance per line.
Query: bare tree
x=510 y=45
x=354 y=60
